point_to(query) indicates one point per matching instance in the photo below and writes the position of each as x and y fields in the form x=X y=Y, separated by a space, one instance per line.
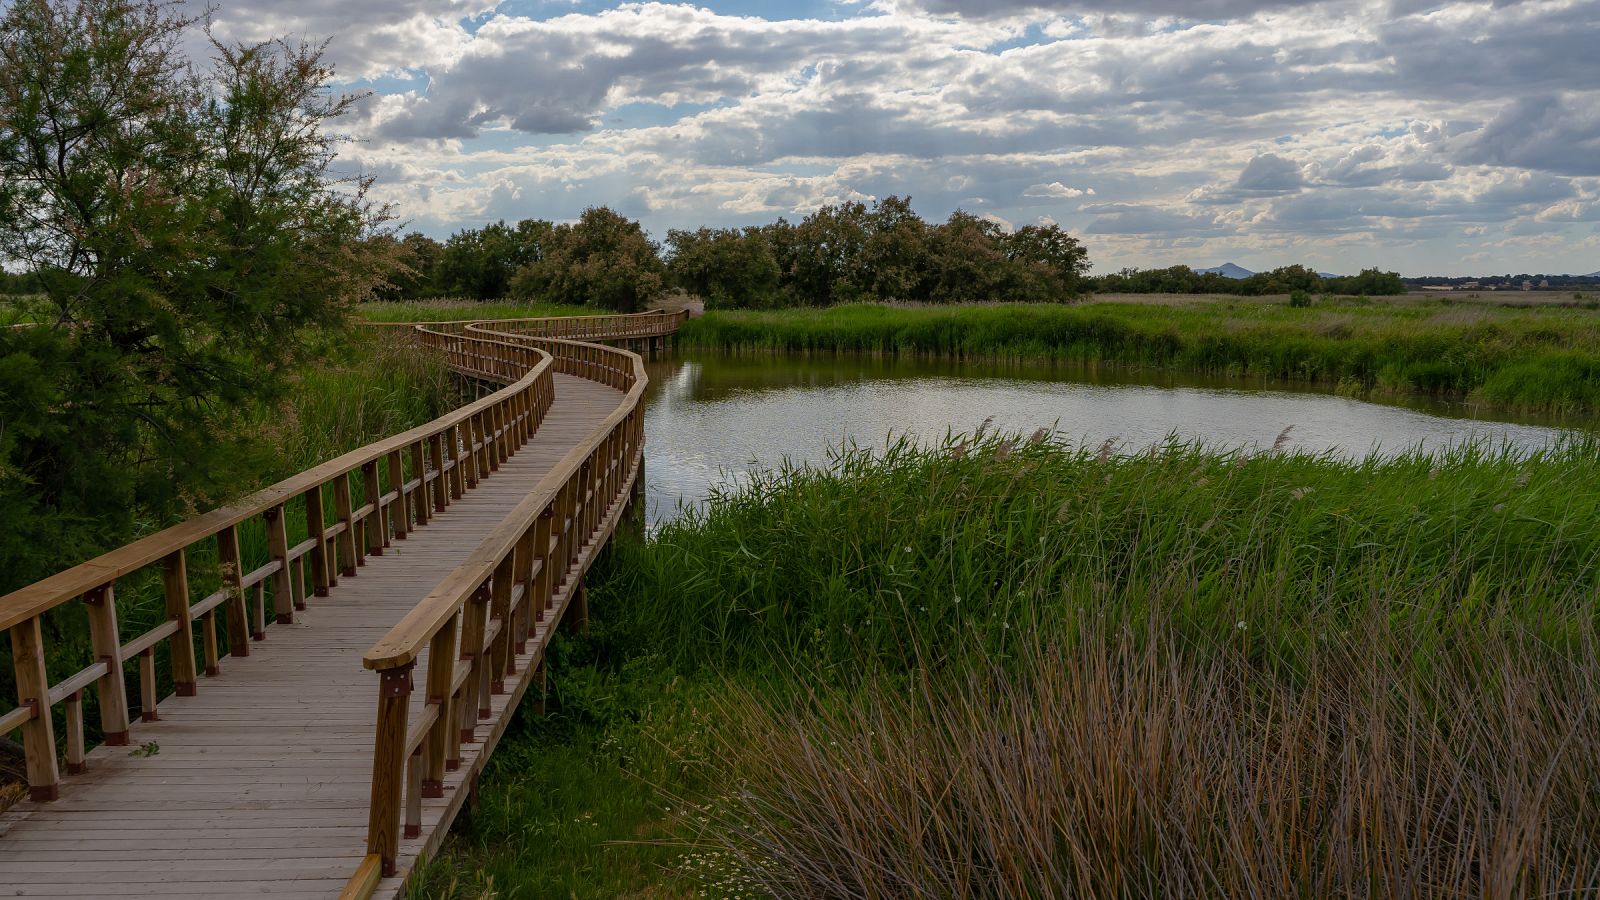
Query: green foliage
x=480 y=263
x=185 y=233
x=1282 y=280
x=1299 y=299
x=825 y=638
x=1534 y=359
x=850 y=252
x=603 y=261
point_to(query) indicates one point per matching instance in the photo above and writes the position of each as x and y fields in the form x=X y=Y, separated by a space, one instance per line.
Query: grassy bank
x=1005 y=667
x=1542 y=359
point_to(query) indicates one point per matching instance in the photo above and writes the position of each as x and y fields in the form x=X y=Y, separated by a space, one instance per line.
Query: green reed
x=1528 y=358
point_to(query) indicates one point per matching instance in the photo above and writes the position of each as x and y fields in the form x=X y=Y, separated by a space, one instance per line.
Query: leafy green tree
x=825 y=255
x=728 y=267
x=604 y=260
x=480 y=263
x=893 y=264
x=184 y=228
x=416 y=263
x=966 y=262
x=1049 y=263
x=1371 y=282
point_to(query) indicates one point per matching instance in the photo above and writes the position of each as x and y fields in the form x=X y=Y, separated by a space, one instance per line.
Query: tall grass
x=1536 y=359
x=1128 y=764
x=903 y=547
x=1004 y=666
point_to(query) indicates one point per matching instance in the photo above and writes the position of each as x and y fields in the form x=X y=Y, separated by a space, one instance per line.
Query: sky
x=1415 y=136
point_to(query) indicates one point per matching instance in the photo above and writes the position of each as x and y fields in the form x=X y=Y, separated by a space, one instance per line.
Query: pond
x=711 y=417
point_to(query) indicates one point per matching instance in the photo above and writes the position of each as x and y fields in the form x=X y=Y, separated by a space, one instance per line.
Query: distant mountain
x=1593 y=275
x=1227 y=270
x=1328 y=275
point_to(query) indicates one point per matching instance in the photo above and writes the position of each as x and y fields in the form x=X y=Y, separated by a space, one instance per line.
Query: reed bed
x=1532 y=359
x=1014 y=666
x=1129 y=764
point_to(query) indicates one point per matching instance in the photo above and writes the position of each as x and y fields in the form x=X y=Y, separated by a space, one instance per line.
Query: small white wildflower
x=908 y=549
x=1239 y=625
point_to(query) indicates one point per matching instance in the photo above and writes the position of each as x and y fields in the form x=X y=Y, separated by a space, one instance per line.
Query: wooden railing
x=379 y=493
x=477 y=622
x=321 y=525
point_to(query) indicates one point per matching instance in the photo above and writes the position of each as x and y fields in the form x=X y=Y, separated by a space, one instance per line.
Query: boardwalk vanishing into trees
x=341 y=651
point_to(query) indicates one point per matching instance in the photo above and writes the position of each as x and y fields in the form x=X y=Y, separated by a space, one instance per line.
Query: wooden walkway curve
x=330 y=749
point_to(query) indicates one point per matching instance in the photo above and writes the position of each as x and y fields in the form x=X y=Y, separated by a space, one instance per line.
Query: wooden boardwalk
x=264 y=781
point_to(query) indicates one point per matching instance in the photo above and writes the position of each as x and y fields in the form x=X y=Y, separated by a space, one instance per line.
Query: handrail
x=380 y=493
x=480 y=618
x=522 y=577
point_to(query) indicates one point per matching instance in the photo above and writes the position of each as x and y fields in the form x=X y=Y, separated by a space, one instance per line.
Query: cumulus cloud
x=1366 y=131
x=1055 y=190
x=1547 y=133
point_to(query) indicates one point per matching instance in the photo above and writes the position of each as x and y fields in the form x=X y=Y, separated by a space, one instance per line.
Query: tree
x=185 y=231
x=1050 y=263
x=481 y=263
x=727 y=267
x=894 y=256
x=604 y=260
x=966 y=263
x=417 y=276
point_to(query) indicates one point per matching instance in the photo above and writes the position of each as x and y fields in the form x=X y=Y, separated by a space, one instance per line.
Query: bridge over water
x=336 y=687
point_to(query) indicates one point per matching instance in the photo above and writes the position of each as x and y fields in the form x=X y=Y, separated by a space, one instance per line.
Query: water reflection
x=710 y=418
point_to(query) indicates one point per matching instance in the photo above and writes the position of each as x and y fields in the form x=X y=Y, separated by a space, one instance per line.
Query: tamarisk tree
x=184 y=224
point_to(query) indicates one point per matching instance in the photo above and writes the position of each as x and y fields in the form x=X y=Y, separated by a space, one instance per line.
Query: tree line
x=842 y=253
x=1282 y=280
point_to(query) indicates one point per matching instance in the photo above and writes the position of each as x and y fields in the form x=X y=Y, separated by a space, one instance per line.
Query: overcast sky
x=1425 y=137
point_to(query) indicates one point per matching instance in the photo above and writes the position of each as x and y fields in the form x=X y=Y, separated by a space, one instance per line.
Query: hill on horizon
x=1227 y=270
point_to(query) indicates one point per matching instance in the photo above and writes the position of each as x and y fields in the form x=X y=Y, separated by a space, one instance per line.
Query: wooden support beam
x=388 y=765
x=278 y=551
x=232 y=571
x=375 y=522
x=316 y=526
x=33 y=690
x=110 y=689
x=175 y=586
x=347 y=538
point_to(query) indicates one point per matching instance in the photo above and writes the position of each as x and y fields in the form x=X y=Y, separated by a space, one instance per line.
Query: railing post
x=441 y=675
x=316 y=528
x=282 y=580
x=111 y=689
x=33 y=690
x=76 y=764
x=458 y=469
x=473 y=621
x=374 y=524
x=175 y=585
x=500 y=608
x=347 y=537
x=400 y=511
x=388 y=765
x=441 y=493
x=419 y=502
x=232 y=570
x=543 y=583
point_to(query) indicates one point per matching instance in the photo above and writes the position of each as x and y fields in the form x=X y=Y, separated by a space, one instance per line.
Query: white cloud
x=1346 y=128
x=1055 y=190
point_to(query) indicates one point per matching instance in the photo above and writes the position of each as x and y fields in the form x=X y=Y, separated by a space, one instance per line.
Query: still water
x=711 y=418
